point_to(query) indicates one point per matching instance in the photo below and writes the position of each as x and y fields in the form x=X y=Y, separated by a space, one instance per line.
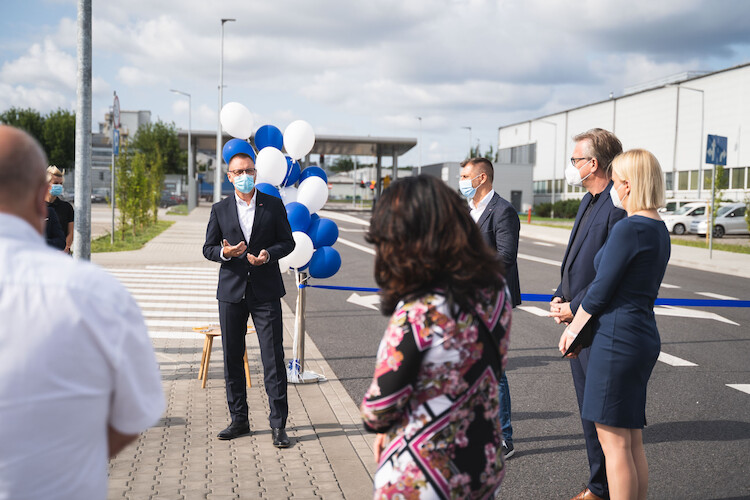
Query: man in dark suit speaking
x=500 y=227
x=591 y=168
x=248 y=232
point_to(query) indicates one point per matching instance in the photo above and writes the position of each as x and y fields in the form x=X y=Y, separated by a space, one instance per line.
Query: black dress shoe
x=235 y=430
x=280 y=439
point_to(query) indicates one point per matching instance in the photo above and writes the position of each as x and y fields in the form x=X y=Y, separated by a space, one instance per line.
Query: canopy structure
x=325 y=145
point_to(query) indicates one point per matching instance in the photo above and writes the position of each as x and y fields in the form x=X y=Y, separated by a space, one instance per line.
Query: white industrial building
x=671 y=118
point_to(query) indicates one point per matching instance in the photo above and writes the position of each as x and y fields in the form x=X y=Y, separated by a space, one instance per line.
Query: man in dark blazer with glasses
x=248 y=232
x=591 y=169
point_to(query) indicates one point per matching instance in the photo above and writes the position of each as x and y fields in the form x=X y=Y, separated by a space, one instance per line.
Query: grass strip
x=130 y=242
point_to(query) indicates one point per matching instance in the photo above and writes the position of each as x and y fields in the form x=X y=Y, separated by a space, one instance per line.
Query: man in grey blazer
x=498 y=221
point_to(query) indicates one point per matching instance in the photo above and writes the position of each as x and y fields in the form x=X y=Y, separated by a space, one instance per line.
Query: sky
x=365 y=68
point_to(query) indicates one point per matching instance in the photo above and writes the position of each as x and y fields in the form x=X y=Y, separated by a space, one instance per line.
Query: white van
x=680 y=220
x=673 y=204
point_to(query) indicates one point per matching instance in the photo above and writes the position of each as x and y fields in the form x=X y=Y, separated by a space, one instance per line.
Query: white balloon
x=313 y=193
x=237 y=120
x=299 y=139
x=303 y=250
x=288 y=194
x=283 y=264
x=271 y=166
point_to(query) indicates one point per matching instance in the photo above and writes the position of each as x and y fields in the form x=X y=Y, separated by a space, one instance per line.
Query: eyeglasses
x=574 y=161
x=239 y=171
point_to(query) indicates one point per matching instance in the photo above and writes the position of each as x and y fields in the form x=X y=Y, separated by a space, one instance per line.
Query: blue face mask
x=56 y=189
x=244 y=183
x=466 y=188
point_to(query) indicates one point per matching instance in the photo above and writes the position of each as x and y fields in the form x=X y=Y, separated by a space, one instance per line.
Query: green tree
x=342 y=164
x=161 y=138
x=27 y=119
x=721 y=181
x=59 y=138
x=476 y=153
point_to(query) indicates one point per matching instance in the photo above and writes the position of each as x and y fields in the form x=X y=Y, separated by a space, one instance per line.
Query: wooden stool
x=211 y=331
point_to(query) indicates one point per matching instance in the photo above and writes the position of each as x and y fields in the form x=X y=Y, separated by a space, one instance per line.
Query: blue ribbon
x=539 y=297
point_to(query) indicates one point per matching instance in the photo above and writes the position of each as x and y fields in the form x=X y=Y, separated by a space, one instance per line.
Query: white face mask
x=573 y=175
x=615 y=196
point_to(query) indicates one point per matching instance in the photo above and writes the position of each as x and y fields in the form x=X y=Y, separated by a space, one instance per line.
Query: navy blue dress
x=629 y=269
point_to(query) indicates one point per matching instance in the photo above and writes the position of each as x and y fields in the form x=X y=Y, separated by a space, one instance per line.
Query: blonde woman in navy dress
x=620 y=305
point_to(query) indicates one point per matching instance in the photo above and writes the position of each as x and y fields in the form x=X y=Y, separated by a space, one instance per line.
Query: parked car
x=680 y=220
x=730 y=219
x=170 y=199
x=673 y=204
x=99 y=195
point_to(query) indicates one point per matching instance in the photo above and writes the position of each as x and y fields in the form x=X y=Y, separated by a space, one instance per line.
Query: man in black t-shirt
x=63 y=209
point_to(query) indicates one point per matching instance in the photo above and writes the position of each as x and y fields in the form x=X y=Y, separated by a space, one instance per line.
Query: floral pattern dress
x=435 y=393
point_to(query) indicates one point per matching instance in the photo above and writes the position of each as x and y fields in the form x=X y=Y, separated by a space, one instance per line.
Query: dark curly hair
x=425 y=239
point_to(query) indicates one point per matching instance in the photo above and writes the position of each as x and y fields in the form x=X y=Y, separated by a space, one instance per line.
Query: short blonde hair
x=642 y=170
x=53 y=171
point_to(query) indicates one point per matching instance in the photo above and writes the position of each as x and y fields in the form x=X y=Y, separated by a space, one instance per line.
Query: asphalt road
x=698 y=437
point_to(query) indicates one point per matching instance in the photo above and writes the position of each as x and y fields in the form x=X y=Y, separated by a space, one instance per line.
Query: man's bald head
x=22 y=175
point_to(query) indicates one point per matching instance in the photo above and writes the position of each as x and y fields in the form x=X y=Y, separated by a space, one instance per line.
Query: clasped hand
x=238 y=249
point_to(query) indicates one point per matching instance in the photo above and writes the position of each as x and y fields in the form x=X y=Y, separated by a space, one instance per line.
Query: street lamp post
x=218 y=174
x=419 y=168
x=469 y=129
x=676 y=128
x=191 y=201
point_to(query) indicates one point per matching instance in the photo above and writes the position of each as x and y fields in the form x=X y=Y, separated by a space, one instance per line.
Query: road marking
x=356 y=245
x=165 y=287
x=368 y=301
x=536 y=311
x=187 y=301
x=156 y=334
x=212 y=316
x=177 y=324
x=208 y=307
x=541 y=260
x=164 y=272
x=170 y=268
x=665 y=285
x=674 y=360
x=716 y=296
x=345 y=230
x=740 y=387
x=342 y=217
x=543 y=244
x=161 y=292
x=683 y=312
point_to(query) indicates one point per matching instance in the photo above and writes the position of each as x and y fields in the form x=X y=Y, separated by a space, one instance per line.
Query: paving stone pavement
x=180 y=457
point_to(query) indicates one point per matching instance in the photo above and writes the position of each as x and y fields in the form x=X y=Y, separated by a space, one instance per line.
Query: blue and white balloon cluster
x=277 y=176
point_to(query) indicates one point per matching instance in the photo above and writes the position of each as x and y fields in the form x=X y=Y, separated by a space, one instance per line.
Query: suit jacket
x=579 y=259
x=271 y=232
x=500 y=228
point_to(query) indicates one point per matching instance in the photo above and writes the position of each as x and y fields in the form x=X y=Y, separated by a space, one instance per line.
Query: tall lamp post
x=191 y=169
x=676 y=128
x=419 y=168
x=218 y=174
x=554 y=165
x=469 y=129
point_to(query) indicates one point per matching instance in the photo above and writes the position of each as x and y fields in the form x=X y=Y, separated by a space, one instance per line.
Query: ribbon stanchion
x=296 y=373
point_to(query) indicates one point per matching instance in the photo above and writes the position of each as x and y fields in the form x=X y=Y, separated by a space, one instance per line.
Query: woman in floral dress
x=434 y=395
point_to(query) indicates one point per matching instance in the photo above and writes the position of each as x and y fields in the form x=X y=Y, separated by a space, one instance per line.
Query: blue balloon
x=313 y=218
x=292 y=172
x=323 y=232
x=298 y=215
x=265 y=187
x=313 y=171
x=268 y=135
x=325 y=262
x=234 y=147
